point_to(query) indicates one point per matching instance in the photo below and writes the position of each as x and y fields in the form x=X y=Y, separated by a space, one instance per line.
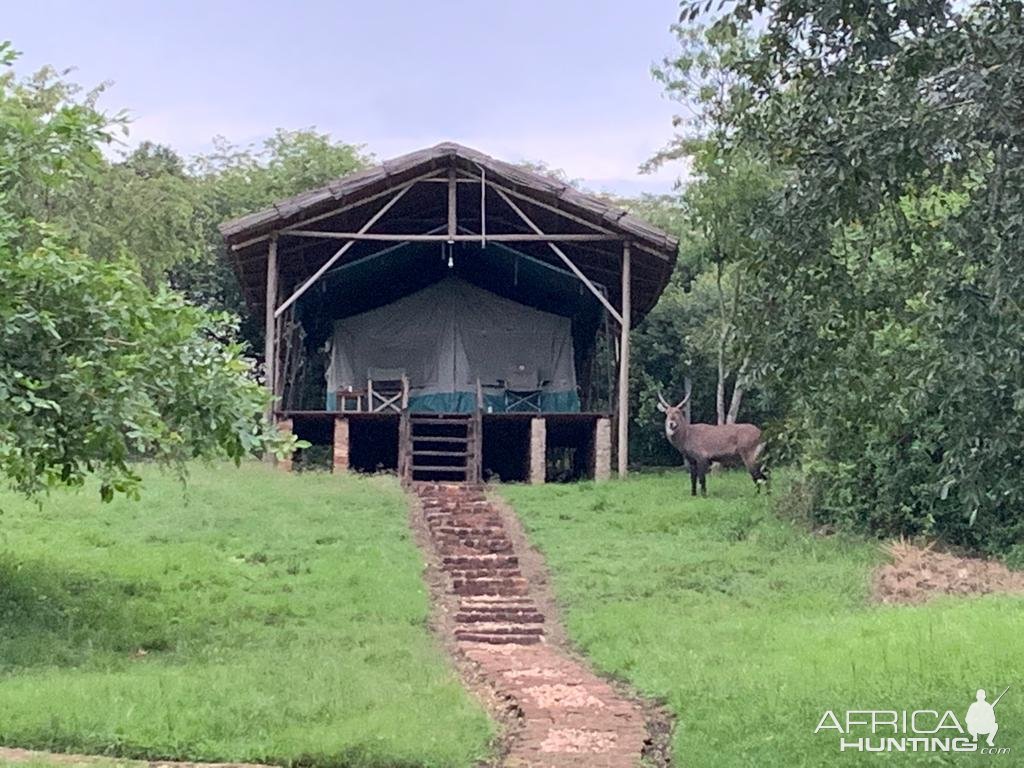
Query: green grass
x=256 y=616
x=749 y=628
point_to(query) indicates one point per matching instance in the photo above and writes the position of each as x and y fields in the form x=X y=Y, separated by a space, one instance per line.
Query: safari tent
x=452 y=316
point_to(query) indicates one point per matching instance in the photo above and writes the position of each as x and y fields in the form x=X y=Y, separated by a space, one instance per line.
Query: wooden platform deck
x=518 y=446
x=573 y=417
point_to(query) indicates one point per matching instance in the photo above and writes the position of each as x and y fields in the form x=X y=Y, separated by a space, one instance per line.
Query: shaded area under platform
x=514 y=447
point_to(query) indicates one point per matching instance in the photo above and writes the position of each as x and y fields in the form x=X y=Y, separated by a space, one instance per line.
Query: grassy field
x=749 y=628
x=257 y=616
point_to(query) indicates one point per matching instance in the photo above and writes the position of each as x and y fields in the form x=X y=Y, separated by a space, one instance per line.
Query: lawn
x=257 y=616
x=749 y=627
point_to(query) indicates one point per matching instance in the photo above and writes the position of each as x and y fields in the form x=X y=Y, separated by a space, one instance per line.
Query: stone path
x=568 y=715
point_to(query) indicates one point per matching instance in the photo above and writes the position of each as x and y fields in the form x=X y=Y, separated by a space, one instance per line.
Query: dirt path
x=499 y=624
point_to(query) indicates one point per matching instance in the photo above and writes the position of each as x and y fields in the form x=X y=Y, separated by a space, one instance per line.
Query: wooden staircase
x=440 y=447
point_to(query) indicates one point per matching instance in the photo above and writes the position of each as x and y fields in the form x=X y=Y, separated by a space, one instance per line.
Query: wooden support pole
x=483 y=208
x=270 y=326
x=453 y=202
x=623 y=452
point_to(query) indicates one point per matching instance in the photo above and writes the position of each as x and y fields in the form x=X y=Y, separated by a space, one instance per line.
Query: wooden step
x=440 y=447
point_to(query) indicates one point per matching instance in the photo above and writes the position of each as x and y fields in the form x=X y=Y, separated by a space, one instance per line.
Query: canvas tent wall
x=447 y=336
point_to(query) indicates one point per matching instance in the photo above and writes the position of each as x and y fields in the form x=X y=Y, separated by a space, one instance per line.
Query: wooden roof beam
x=556 y=210
x=336 y=211
x=546 y=206
x=341 y=251
x=561 y=254
x=507 y=237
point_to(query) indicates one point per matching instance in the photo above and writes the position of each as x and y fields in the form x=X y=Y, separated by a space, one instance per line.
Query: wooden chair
x=385 y=388
x=523 y=388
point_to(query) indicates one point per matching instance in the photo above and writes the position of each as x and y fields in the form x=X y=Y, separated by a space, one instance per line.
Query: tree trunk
x=720 y=390
x=737 y=392
x=723 y=339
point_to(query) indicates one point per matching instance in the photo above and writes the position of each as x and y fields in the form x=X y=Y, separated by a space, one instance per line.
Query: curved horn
x=662 y=400
x=684 y=400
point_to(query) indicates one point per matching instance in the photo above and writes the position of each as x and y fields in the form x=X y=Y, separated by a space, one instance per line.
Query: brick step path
x=569 y=716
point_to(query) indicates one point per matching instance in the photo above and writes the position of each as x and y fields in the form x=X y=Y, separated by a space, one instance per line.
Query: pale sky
x=563 y=81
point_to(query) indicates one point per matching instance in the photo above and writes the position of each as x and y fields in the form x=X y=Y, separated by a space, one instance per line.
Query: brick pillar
x=285 y=427
x=602 y=449
x=340 y=459
x=538 y=450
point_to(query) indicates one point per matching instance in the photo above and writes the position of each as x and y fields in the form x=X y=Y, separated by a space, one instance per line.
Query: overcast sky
x=563 y=81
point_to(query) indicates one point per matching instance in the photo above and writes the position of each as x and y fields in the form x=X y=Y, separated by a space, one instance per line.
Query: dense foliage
x=232 y=181
x=888 y=264
x=694 y=331
x=96 y=369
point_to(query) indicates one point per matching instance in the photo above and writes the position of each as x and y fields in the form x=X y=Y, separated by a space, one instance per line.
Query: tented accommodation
x=450 y=295
x=447 y=337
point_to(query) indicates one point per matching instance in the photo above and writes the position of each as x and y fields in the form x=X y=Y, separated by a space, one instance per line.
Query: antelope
x=703 y=443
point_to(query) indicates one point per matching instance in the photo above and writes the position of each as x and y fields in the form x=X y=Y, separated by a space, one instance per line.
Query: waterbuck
x=703 y=443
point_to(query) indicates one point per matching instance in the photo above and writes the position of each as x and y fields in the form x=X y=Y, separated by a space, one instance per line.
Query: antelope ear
x=661 y=407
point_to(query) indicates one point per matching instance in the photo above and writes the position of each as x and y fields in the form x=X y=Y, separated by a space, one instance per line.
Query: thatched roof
x=556 y=207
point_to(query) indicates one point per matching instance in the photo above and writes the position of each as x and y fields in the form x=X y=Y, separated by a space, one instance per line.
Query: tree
x=723 y=200
x=161 y=212
x=726 y=202
x=232 y=181
x=97 y=370
x=890 y=264
x=145 y=209
x=51 y=138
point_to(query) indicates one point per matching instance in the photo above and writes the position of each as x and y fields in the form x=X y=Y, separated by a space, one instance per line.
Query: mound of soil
x=917 y=574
